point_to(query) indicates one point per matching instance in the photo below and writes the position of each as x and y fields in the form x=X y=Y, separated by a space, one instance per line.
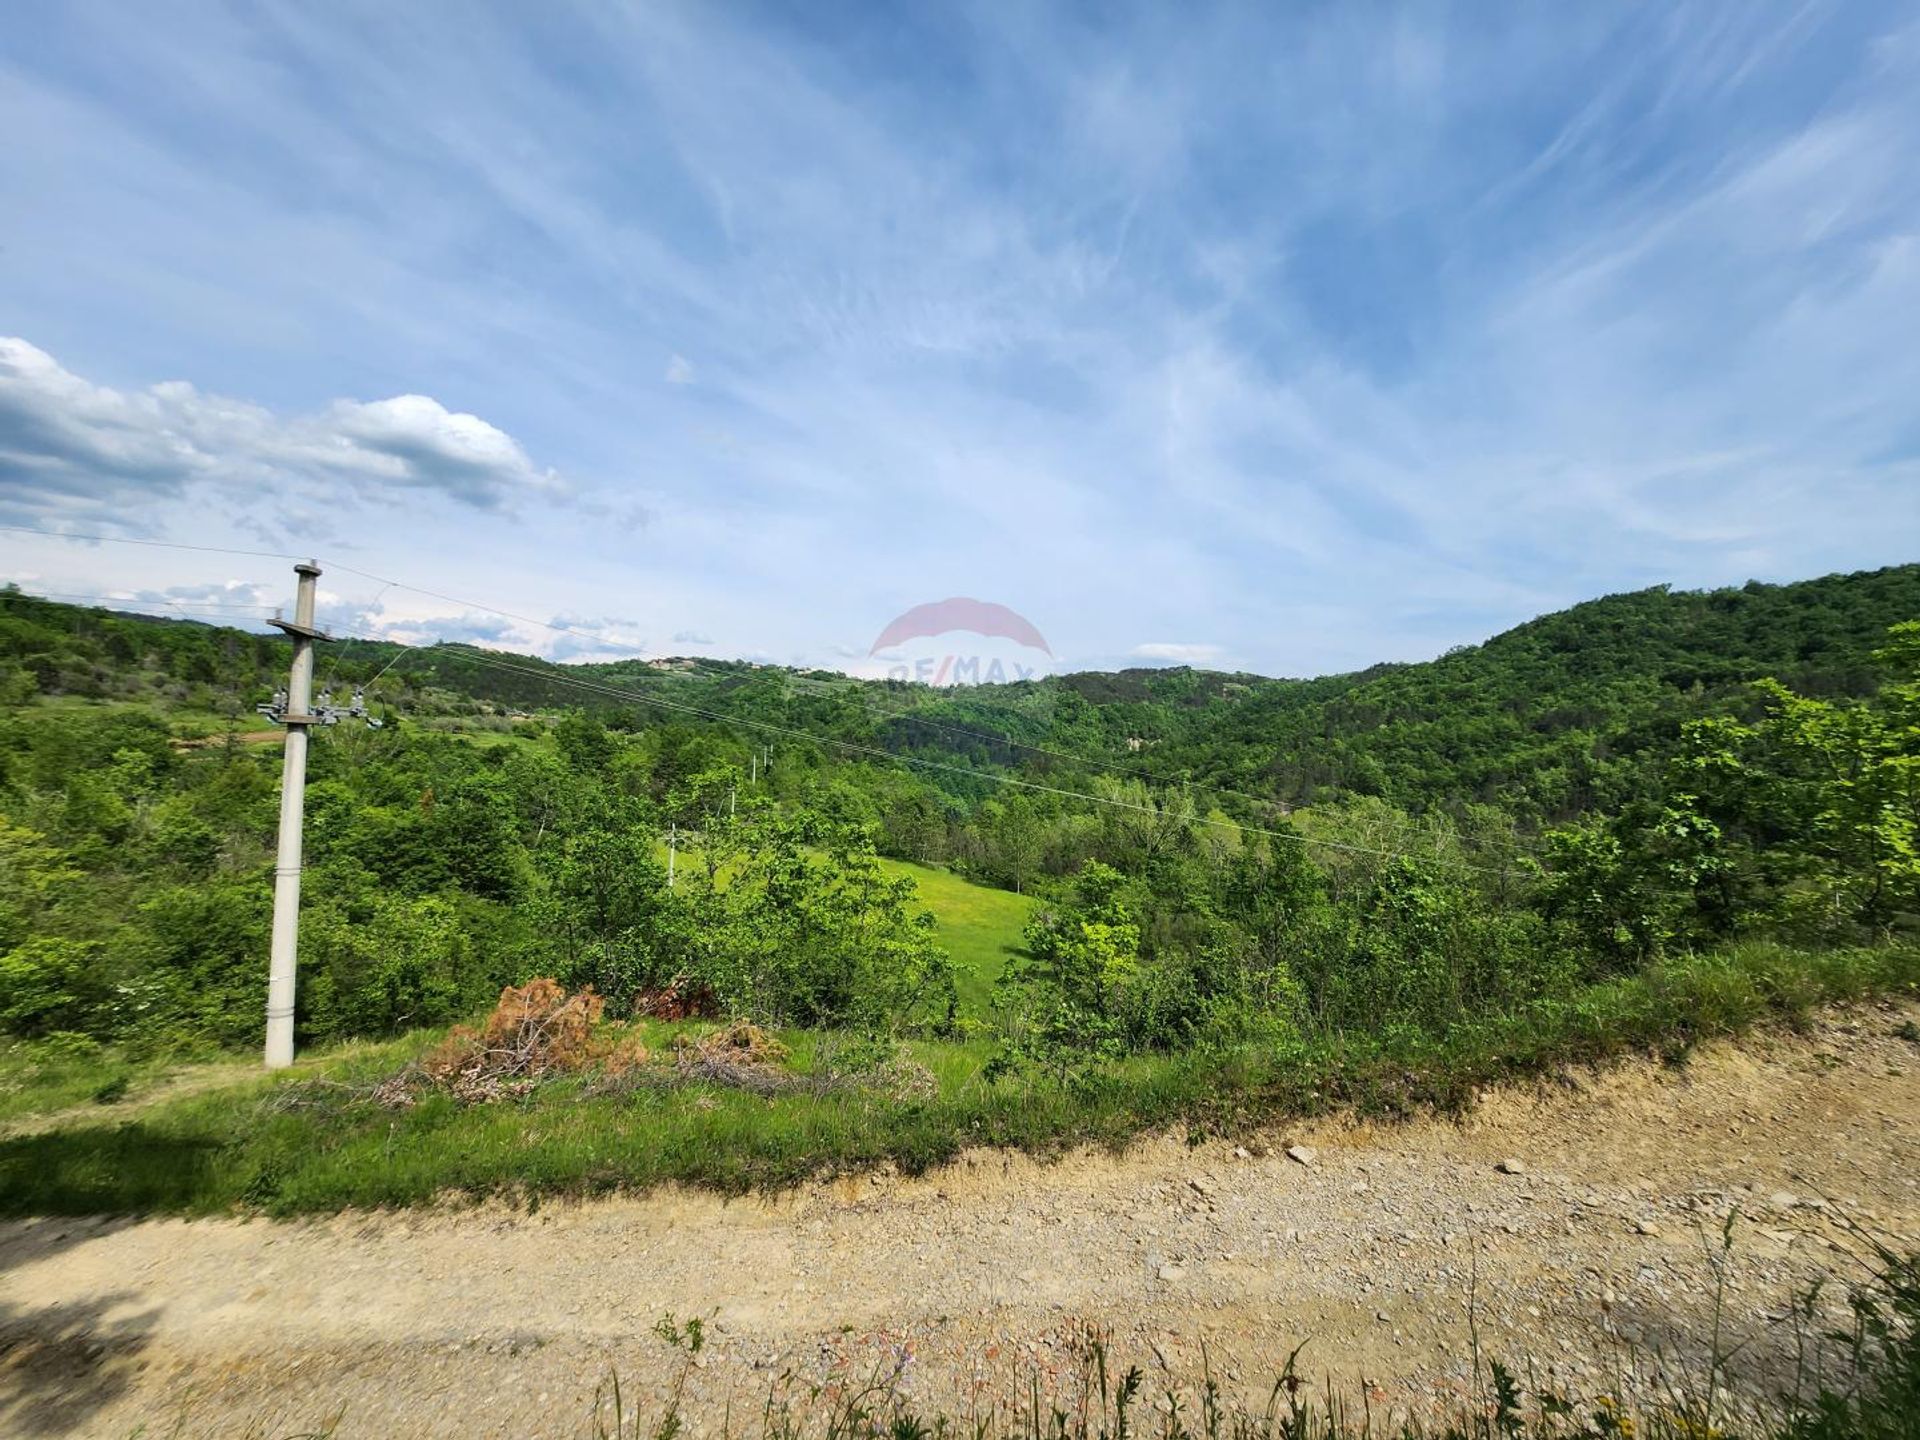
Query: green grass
x=235 y=1148
x=34 y=1082
x=49 y=1079
x=980 y=927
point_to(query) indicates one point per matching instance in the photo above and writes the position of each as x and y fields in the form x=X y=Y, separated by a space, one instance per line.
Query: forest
x=1213 y=860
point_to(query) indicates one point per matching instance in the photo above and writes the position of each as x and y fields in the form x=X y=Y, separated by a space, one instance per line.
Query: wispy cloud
x=1330 y=336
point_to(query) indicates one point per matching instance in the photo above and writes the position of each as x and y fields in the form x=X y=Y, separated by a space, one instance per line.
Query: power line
x=404 y=649
x=868 y=702
x=1124 y=769
x=488 y=609
x=158 y=544
x=211 y=620
x=384 y=581
x=145 y=600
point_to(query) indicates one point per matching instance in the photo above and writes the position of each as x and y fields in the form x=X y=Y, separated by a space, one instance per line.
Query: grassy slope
x=32 y=1084
x=221 y=1149
x=979 y=927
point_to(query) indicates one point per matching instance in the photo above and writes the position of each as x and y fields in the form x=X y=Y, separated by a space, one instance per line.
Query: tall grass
x=309 y=1142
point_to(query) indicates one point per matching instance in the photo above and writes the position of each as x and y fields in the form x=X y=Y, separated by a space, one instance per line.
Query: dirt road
x=485 y=1322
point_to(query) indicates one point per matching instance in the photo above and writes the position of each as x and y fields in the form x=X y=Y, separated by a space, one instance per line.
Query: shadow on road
x=61 y=1364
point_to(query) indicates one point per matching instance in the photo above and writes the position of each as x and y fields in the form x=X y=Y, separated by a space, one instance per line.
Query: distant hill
x=1551 y=719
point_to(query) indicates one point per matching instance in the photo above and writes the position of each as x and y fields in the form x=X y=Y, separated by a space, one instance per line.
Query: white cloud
x=415 y=440
x=679 y=371
x=471 y=628
x=573 y=636
x=1175 y=652
x=419 y=620
x=71 y=450
x=242 y=594
x=234 y=602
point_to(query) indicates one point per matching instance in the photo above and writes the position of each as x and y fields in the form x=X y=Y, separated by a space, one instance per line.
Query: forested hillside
x=1576 y=797
x=1548 y=721
x=1560 y=715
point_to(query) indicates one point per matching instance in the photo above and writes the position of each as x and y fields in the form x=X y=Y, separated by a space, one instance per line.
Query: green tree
x=403 y=962
x=791 y=919
x=52 y=983
x=1847 y=773
x=1067 y=997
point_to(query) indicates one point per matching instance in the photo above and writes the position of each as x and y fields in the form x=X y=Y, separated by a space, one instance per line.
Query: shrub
x=790 y=920
x=50 y=984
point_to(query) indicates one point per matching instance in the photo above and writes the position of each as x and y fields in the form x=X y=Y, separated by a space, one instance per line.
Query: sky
x=1278 y=338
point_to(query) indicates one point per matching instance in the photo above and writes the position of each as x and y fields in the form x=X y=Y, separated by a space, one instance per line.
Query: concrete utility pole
x=297 y=716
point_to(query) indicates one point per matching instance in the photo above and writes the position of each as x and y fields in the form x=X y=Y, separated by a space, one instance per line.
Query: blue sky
x=1287 y=338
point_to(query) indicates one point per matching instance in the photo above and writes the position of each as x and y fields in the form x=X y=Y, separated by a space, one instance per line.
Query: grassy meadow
x=980 y=927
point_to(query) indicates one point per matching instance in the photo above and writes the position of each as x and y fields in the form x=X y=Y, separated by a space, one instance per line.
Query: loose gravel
x=1572 y=1229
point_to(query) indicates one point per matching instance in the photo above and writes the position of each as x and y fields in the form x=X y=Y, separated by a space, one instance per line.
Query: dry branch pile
x=678 y=999
x=539 y=1031
x=536 y=1031
x=741 y=1055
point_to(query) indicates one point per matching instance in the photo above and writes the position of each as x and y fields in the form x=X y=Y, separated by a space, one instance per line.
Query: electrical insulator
x=325 y=711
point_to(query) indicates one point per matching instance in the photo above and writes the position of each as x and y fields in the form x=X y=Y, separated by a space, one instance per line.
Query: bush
x=50 y=984
x=398 y=964
x=790 y=920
